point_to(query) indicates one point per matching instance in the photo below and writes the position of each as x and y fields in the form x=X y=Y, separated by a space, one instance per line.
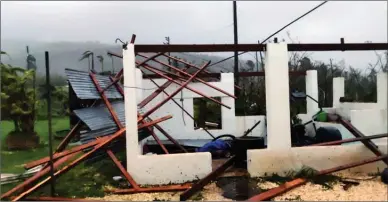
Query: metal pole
x=235 y=42
x=48 y=86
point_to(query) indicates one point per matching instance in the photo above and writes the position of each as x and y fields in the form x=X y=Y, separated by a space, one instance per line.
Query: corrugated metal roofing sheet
x=84 y=87
x=99 y=117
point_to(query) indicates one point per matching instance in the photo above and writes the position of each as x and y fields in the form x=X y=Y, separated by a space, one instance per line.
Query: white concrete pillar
x=139 y=86
x=382 y=90
x=129 y=73
x=312 y=91
x=277 y=97
x=338 y=90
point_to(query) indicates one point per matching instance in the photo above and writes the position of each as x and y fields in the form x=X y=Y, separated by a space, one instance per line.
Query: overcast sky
x=198 y=22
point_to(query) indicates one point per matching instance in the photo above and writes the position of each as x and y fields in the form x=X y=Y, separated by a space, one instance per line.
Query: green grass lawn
x=12 y=161
x=81 y=181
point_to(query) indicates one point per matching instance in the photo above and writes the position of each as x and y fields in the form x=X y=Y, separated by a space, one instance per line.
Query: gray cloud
x=198 y=22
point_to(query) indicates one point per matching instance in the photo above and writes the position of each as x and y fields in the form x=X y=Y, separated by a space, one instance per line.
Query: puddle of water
x=239 y=188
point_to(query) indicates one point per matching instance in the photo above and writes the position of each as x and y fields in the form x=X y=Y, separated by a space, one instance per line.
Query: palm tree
x=101 y=59
x=111 y=57
x=88 y=54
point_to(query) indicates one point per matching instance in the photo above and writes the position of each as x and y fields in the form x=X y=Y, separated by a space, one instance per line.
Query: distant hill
x=66 y=55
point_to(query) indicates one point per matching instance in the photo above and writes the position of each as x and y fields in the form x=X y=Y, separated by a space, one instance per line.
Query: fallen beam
x=80 y=159
x=239 y=74
x=157 y=106
x=189 y=75
x=188 y=114
x=369 y=137
x=122 y=170
x=48 y=198
x=37 y=176
x=368 y=143
x=168 y=188
x=180 y=84
x=206 y=180
x=88 y=145
x=152 y=48
x=300 y=181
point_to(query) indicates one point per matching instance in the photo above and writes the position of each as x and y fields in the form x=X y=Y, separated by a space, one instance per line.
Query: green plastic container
x=322 y=117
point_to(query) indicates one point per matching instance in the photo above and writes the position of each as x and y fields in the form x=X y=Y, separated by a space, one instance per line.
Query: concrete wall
x=281 y=157
x=154 y=169
x=181 y=126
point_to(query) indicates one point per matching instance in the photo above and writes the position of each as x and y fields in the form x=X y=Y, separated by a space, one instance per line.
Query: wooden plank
x=167 y=188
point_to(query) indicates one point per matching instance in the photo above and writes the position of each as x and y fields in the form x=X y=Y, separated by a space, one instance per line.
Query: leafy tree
x=17 y=101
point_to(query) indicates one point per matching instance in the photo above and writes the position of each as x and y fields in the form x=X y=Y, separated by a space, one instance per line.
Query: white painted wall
x=155 y=169
x=181 y=126
x=369 y=118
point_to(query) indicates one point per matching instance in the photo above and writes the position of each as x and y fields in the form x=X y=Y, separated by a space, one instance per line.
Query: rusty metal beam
x=240 y=74
x=369 y=137
x=119 y=75
x=37 y=176
x=188 y=114
x=122 y=169
x=157 y=106
x=68 y=137
x=168 y=188
x=206 y=180
x=368 y=143
x=143 y=122
x=184 y=62
x=154 y=94
x=49 y=198
x=152 y=69
x=258 y=47
x=105 y=99
x=90 y=144
x=187 y=74
x=265 y=196
x=71 y=165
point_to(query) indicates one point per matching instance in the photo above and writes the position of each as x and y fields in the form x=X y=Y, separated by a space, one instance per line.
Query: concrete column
x=338 y=90
x=129 y=73
x=277 y=97
x=382 y=90
x=139 y=86
x=312 y=90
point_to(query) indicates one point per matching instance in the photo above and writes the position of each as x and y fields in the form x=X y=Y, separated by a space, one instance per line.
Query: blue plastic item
x=214 y=146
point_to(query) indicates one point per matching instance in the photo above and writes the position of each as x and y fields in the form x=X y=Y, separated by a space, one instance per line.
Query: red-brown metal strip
x=119 y=77
x=81 y=158
x=71 y=165
x=189 y=75
x=122 y=170
x=187 y=87
x=154 y=94
x=143 y=122
x=152 y=48
x=64 y=153
x=85 y=146
x=180 y=106
x=49 y=198
x=106 y=101
x=368 y=143
x=167 y=188
x=369 y=137
x=157 y=106
x=37 y=176
x=68 y=137
x=206 y=180
x=300 y=181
